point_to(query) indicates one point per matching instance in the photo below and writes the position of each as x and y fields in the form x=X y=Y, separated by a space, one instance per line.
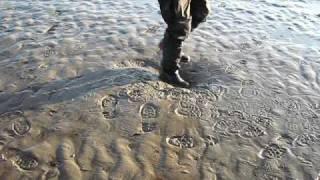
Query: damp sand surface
x=80 y=96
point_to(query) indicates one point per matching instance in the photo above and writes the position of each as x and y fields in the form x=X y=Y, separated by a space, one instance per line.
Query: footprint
x=251 y=131
x=149 y=126
x=273 y=151
x=237 y=66
x=308 y=114
x=26 y=161
x=184 y=141
x=211 y=140
x=230 y=122
x=149 y=110
x=203 y=95
x=140 y=63
x=123 y=93
x=244 y=46
x=177 y=93
x=263 y=121
x=152 y=29
x=235 y=127
x=52 y=173
x=129 y=63
x=109 y=104
x=189 y=109
x=18 y=123
x=21 y=126
x=311 y=125
x=49 y=51
x=249 y=89
x=307 y=139
x=136 y=95
x=108 y=101
x=238 y=115
x=228 y=128
x=138 y=92
x=290 y=106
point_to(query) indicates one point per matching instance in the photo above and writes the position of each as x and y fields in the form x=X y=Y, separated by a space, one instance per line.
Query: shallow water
x=79 y=93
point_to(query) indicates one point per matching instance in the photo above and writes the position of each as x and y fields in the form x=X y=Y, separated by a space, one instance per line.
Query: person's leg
x=171 y=53
x=183 y=58
x=200 y=9
x=176 y=14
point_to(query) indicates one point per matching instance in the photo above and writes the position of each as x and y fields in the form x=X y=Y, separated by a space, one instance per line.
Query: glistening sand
x=80 y=96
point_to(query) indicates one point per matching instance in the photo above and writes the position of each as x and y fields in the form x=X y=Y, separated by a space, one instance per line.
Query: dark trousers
x=181 y=16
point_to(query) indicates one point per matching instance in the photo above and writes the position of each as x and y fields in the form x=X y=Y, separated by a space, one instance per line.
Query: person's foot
x=183 y=58
x=173 y=79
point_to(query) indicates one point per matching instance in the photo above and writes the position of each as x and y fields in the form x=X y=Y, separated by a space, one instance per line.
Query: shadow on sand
x=37 y=95
x=63 y=90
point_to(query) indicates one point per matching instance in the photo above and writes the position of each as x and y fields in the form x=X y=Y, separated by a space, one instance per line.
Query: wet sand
x=80 y=96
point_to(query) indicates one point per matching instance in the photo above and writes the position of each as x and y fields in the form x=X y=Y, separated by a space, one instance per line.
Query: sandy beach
x=80 y=96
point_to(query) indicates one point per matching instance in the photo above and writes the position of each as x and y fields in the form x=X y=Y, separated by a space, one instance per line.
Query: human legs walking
x=178 y=16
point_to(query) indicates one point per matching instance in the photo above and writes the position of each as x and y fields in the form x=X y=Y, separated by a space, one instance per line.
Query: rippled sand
x=80 y=96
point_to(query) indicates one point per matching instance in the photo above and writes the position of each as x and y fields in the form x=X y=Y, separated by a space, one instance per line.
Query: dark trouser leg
x=200 y=9
x=172 y=48
x=176 y=14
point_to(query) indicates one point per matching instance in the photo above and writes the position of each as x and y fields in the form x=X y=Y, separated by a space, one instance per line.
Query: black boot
x=172 y=48
x=173 y=79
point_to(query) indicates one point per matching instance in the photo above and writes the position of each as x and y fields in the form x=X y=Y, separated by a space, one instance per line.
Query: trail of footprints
x=193 y=104
x=232 y=123
x=185 y=103
x=183 y=141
